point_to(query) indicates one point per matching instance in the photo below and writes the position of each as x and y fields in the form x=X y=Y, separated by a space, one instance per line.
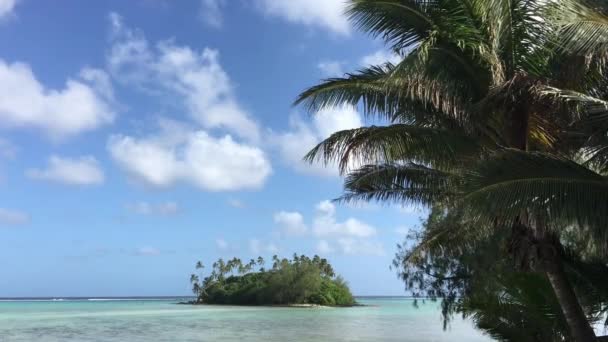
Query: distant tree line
x=300 y=280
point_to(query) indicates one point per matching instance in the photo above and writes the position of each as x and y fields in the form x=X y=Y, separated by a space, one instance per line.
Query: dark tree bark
x=549 y=246
x=552 y=263
x=577 y=321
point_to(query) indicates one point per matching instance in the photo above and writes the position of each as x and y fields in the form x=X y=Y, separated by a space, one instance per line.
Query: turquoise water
x=162 y=320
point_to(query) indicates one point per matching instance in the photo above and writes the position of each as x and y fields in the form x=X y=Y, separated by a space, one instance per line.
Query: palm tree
x=222 y=269
x=261 y=263
x=496 y=109
x=474 y=279
x=275 y=262
x=194 y=280
x=250 y=265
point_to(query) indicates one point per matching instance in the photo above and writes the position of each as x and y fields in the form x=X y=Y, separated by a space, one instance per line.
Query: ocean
x=161 y=319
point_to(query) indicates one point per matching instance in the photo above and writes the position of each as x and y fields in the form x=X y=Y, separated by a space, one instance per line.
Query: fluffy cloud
x=348 y=237
x=402 y=230
x=7 y=149
x=351 y=246
x=211 y=12
x=236 y=203
x=196 y=79
x=146 y=208
x=221 y=244
x=78 y=171
x=147 y=251
x=84 y=104
x=380 y=57
x=7 y=7
x=410 y=209
x=328 y=14
x=302 y=137
x=323 y=247
x=291 y=223
x=258 y=247
x=13 y=217
x=177 y=154
x=325 y=224
x=331 y=68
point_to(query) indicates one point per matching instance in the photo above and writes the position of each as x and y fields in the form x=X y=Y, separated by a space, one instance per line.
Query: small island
x=301 y=281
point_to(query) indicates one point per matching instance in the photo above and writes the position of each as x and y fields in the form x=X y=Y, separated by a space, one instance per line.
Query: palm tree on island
x=299 y=281
x=496 y=117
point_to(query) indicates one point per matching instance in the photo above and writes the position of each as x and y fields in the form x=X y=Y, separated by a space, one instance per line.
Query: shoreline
x=301 y=306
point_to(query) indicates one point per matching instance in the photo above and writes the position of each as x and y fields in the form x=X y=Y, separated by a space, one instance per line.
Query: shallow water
x=386 y=319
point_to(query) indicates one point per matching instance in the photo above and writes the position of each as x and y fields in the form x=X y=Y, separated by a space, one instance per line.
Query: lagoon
x=384 y=319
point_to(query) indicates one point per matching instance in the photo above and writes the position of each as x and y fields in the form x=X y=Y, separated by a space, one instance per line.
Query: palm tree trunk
x=580 y=329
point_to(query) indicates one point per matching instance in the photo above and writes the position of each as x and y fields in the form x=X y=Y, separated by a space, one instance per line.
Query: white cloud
x=410 y=209
x=82 y=105
x=328 y=14
x=77 y=171
x=145 y=208
x=349 y=237
x=221 y=244
x=331 y=68
x=235 y=203
x=272 y=248
x=13 y=217
x=148 y=251
x=211 y=12
x=168 y=208
x=403 y=231
x=195 y=80
x=258 y=247
x=325 y=224
x=323 y=247
x=381 y=57
x=302 y=137
x=178 y=154
x=7 y=149
x=292 y=223
x=7 y=7
x=255 y=246
x=351 y=246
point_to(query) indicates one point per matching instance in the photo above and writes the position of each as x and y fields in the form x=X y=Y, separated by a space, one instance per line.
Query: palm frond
x=517 y=307
x=586 y=109
x=512 y=181
x=394 y=143
x=582 y=28
x=389 y=92
x=402 y=183
x=400 y=23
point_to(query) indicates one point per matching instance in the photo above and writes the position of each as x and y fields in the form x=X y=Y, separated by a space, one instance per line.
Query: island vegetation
x=297 y=281
x=494 y=117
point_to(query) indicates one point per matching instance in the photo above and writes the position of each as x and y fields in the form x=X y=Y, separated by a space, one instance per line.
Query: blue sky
x=137 y=137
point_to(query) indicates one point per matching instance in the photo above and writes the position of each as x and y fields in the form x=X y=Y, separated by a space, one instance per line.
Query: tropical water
x=384 y=319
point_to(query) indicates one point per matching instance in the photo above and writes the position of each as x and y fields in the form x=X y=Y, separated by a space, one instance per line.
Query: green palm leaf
x=398 y=142
x=401 y=23
x=401 y=183
x=554 y=188
x=582 y=29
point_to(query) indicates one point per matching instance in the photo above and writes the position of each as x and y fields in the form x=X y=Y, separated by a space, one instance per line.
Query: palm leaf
x=398 y=142
x=582 y=29
x=400 y=23
x=554 y=188
x=401 y=183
